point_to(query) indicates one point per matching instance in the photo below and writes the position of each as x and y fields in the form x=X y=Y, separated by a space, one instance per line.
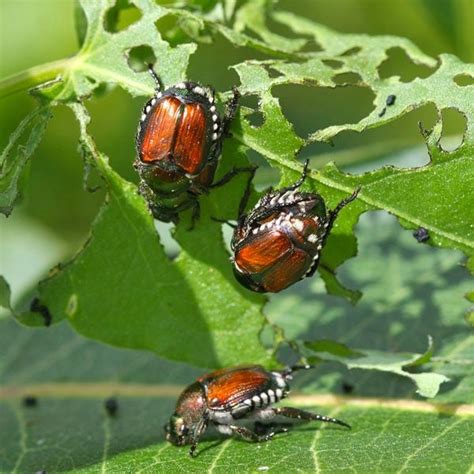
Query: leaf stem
x=33 y=76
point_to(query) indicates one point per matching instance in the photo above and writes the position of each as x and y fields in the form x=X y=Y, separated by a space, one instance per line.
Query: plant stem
x=33 y=76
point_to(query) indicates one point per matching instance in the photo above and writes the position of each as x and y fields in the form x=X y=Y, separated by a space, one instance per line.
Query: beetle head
x=177 y=430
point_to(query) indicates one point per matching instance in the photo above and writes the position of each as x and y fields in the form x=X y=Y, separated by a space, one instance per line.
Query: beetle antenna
x=302 y=178
x=154 y=75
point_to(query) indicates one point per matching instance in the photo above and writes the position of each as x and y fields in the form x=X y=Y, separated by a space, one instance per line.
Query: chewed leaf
x=427 y=384
x=103 y=55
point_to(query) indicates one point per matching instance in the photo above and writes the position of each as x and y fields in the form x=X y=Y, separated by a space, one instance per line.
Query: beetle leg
x=264 y=428
x=249 y=435
x=234 y=172
x=298 y=414
x=156 y=78
x=333 y=214
x=327 y=228
x=248 y=187
x=230 y=110
x=198 y=432
x=195 y=215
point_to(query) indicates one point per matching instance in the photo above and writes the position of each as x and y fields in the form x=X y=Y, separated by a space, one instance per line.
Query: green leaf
x=252 y=15
x=428 y=198
x=74 y=377
x=16 y=155
x=428 y=384
x=103 y=55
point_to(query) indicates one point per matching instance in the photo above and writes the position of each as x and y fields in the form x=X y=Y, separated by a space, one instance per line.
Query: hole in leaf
x=311 y=109
x=398 y=143
x=255 y=119
x=312 y=46
x=286 y=32
x=202 y=64
x=347 y=78
x=273 y=73
x=139 y=57
x=333 y=63
x=464 y=80
x=117 y=142
x=454 y=127
x=177 y=30
x=250 y=101
x=352 y=51
x=80 y=21
x=121 y=16
x=170 y=245
x=399 y=64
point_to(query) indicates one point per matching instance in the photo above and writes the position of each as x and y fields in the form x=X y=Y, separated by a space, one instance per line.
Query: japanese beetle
x=225 y=396
x=279 y=241
x=179 y=141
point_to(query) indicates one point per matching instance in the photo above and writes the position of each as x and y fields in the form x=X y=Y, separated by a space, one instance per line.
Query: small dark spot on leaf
x=38 y=307
x=464 y=80
x=111 y=406
x=347 y=387
x=382 y=112
x=391 y=99
x=421 y=234
x=30 y=401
